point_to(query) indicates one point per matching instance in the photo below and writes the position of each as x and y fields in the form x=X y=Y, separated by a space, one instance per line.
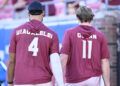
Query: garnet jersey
x=33 y=43
x=85 y=47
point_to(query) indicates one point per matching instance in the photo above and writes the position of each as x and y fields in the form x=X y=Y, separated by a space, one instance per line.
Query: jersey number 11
x=84 y=55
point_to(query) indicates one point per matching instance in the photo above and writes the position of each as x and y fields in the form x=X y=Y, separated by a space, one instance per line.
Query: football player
x=33 y=48
x=84 y=53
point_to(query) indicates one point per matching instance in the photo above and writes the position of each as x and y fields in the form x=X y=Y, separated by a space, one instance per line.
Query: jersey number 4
x=89 y=49
x=33 y=47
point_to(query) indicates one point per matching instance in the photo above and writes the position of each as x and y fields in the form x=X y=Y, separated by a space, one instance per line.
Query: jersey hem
x=34 y=82
x=81 y=80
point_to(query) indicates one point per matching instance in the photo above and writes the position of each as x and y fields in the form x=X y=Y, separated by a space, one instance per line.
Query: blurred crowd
x=18 y=8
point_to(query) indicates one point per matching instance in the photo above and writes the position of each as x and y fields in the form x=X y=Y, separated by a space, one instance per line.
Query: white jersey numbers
x=85 y=49
x=33 y=47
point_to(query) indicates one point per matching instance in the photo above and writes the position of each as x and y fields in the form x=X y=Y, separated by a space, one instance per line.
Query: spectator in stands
x=70 y=8
x=20 y=7
x=94 y=4
x=4 y=3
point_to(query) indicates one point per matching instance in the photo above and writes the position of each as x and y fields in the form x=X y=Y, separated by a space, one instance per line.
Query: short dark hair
x=84 y=14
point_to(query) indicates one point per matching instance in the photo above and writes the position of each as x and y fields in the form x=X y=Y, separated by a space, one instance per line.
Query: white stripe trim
x=3 y=65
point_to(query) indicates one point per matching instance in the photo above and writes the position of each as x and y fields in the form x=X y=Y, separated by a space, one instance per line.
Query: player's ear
x=43 y=14
x=29 y=14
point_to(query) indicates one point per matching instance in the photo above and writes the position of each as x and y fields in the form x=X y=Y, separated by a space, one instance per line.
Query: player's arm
x=11 y=68
x=64 y=59
x=106 y=71
x=57 y=68
x=65 y=50
x=105 y=62
x=3 y=4
x=55 y=61
x=12 y=56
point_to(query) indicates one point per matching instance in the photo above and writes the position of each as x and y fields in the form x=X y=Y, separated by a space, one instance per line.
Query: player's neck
x=36 y=18
x=85 y=23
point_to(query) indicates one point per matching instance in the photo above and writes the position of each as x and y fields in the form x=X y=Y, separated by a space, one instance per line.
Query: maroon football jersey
x=85 y=47
x=33 y=43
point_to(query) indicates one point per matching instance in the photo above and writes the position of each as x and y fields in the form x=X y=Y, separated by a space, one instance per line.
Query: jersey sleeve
x=12 y=47
x=55 y=45
x=104 y=49
x=65 y=44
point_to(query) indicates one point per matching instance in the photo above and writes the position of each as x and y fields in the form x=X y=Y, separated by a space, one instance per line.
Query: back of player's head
x=35 y=8
x=84 y=14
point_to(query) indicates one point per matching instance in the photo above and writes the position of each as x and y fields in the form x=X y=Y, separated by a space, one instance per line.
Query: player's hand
x=10 y=85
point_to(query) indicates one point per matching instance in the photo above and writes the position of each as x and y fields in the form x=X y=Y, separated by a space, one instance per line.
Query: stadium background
x=107 y=20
